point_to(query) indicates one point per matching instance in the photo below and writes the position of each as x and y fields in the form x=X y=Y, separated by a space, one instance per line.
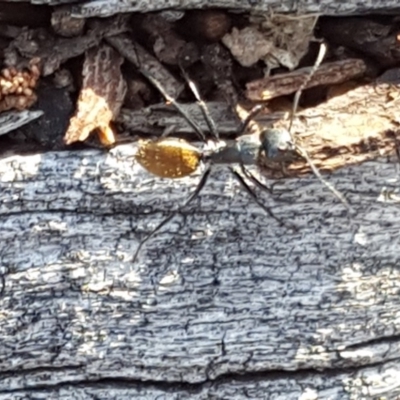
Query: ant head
x=277 y=145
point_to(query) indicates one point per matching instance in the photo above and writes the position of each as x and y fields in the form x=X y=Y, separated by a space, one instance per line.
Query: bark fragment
x=356 y=126
x=283 y=84
x=52 y=51
x=139 y=57
x=376 y=40
x=275 y=39
x=101 y=96
x=64 y=24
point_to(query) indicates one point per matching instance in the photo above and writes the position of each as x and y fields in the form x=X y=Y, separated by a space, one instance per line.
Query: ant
x=176 y=158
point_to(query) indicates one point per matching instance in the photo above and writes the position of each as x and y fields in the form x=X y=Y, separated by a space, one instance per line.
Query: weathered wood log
x=221 y=290
x=222 y=303
x=156 y=119
x=96 y=8
x=327 y=7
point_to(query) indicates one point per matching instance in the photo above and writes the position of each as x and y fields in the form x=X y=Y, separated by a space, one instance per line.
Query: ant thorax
x=244 y=150
x=271 y=146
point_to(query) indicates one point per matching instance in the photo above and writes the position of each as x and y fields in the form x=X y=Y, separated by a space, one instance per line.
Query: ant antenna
x=338 y=195
x=318 y=61
x=302 y=151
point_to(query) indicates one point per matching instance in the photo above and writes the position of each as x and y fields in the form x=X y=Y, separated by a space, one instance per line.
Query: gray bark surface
x=105 y=8
x=222 y=292
x=222 y=303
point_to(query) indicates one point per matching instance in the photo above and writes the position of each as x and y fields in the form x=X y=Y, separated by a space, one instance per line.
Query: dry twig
x=282 y=84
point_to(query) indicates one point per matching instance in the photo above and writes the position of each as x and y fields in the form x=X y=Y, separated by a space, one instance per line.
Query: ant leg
x=258 y=183
x=168 y=131
x=200 y=186
x=203 y=106
x=252 y=178
x=177 y=106
x=397 y=148
x=258 y=202
x=3 y=284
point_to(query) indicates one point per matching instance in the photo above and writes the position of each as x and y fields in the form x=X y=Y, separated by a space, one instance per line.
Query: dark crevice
x=74 y=212
x=377 y=341
x=301 y=374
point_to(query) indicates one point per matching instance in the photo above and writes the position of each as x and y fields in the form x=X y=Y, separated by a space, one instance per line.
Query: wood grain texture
x=222 y=290
x=326 y=7
x=366 y=383
x=282 y=84
x=104 y=8
x=223 y=303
